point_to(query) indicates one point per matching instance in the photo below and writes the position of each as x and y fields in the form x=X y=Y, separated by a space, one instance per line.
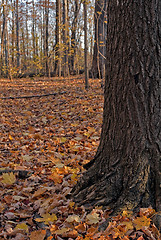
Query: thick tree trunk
x=126 y=171
x=99 y=56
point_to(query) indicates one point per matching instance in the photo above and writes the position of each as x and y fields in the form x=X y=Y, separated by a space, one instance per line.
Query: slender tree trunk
x=46 y=37
x=17 y=37
x=13 y=33
x=9 y=59
x=65 y=41
x=3 y=35
x=126 y=171
x=85 y=45
x=99 y=56
x=58 y=39
x=73 y=36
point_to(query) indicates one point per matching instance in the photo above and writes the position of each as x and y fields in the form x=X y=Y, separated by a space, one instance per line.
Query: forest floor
x=49 y=128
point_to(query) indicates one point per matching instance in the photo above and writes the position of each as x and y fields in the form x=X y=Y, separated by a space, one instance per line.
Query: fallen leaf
x=73 y=218
x=22 y=226
x=93 y=218
x=47 y=218
x=38 y=235
x=140 y=222
x=8 y=178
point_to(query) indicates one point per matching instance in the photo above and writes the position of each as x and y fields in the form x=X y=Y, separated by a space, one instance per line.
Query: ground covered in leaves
x=49 y=128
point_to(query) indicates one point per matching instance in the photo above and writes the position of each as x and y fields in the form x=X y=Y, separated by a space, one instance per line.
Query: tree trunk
x=17 y=37
x=100 y=20
x=3 y=36
x=46 y=38
x=73 y=35
x=85 y=45
x=58 y=39
x=126 y=170
x=65 y=41
x=13 y=34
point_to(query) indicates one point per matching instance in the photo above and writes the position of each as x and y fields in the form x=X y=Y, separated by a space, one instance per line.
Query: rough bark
x=99 y=56
x=126 y=171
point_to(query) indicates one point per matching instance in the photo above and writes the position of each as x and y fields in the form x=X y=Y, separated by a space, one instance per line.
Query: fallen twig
x=32 y=96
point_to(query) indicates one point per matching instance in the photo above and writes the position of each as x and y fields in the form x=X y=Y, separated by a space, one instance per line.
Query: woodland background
x=47 y=37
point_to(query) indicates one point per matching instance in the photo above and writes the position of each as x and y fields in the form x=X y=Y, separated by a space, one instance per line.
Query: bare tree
x=46 y=48
x=17 y=36
x=85 y=45
x=100 y=22
x=65 y=40
x=58 y=38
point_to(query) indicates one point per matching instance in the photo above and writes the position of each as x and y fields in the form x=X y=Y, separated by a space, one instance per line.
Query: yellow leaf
x=8 y=178
x=71 y=204
x=22 y=226
x=61 y=231
x=46 y=218
x=129 y=225
x=10 y=137
x=141 y=222
x=93 y=218
x=127 y=214
x=40 y=235
x=63 y=140
x=74 y=178
x=73 y=218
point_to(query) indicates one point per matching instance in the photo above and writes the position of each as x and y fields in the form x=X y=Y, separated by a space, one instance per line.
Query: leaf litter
x=50 y=138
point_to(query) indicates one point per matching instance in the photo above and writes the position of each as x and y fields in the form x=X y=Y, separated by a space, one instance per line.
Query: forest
x=46 y=38
x=80 y=120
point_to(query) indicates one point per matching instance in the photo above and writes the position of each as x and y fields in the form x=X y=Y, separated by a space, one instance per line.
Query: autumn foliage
x=44 y=142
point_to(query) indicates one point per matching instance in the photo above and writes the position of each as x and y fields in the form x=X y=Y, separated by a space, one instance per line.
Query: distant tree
x=17 y=36
x=46 y=47
x=65 y=40
x=85 y=45
x=126 y=170
x=3 y=31
x=73 y=35
x=99 y=54
x=58 y=38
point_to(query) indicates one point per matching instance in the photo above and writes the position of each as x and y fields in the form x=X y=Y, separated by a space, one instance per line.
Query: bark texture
x=99 y=55
x=126 y=170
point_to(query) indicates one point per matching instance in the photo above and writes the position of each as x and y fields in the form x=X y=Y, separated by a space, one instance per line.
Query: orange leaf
x=38 y=235
x=141 y=222
x=39 y=192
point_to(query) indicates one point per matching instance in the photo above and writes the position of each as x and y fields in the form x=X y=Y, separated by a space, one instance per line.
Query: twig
x=32 y=96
